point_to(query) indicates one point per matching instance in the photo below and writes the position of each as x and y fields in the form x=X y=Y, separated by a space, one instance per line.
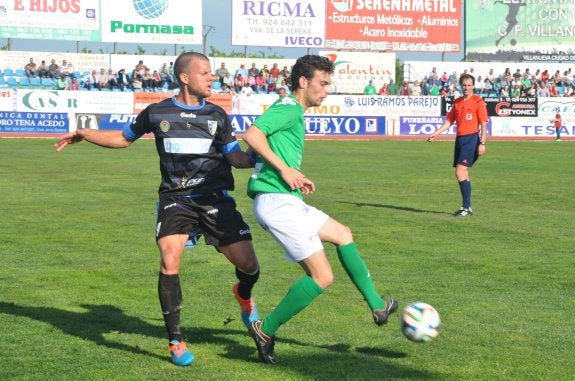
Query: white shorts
x=293 y=223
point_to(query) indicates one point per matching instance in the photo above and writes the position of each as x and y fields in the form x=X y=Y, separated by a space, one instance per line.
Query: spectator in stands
x=53 y=69
x=284 y=86
x=31 y=68
x=174 y=82
x=479 y=85
x=433 y=73
x=253 y=70
x=285 y=73
x=434 y=89
x=246 y=90
x=552 y=89
x=370 y=89
x=251 y=82
x=487 y=88
x=241 y=71
x=491 y=76
x=265 y=72
x=393 y=89
x=112 y=80
x=124 y=80
x=165 y=75
x=73 y=84
x=43 y=70
x=157 y=82
x=227 y=89
x=272 y=88
x=228 y=80
x=516 y=90
x=61 y=83
x=136 y=80
x=141 y=68
x=545 y=75
x=383 y=90
x=543 y=90
x=415 y=89
x=444 y=78
x=147 y=80
x=505 y=92
x=274 y=74
x=526 y=83
x=405 y=90
x=424 y=88
x=282 y=93
x=569 y=91
x=103 y=79
x=92 y=80
x=517 y=75
x=239 y=83
x=67 y=68
x=260 y=85
x=221 y=72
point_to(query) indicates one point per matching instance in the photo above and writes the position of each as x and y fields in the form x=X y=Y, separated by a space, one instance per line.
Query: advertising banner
x=354 y=70
x=66 y=20
x=501 y=106
x=153 y=21
x=34 y=122
x=512 y=30
x=278 y=23
x=325 y=125
x=74 y=101
x=407 y=25
x=425 y=125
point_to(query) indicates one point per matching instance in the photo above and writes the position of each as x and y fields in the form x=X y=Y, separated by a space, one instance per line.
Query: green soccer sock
x=359 y=275
x=299 y=296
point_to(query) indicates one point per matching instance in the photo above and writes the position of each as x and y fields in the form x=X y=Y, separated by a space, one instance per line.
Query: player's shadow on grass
x=97 y=321
x=403 y=208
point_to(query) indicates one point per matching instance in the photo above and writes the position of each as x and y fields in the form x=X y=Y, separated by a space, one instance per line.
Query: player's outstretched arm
x=108 y=139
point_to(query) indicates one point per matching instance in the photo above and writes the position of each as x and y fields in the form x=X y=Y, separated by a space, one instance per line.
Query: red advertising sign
x=393 y=25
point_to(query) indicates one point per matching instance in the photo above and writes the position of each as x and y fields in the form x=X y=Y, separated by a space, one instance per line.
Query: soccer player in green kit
x=277 y=186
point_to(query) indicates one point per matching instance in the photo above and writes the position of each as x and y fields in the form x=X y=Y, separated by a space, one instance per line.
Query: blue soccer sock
x=465 y=188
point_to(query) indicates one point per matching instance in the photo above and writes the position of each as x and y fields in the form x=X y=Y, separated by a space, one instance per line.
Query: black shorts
x=465 y=152
x=214 y=215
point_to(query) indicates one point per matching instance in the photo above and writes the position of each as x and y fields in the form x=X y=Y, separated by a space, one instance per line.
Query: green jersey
x=284 y=127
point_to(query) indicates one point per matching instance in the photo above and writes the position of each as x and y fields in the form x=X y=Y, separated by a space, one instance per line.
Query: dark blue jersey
x=191 y=142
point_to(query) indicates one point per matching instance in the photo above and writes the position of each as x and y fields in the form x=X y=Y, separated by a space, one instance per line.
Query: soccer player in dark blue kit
x=197 y=147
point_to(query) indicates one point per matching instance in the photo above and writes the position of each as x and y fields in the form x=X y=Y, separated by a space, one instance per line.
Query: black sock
x=170 y=293
x=247 y=282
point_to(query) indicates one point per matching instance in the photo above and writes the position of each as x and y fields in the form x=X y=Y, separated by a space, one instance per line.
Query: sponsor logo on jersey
x=164 y=125
x=212 y=126
x=190 y=115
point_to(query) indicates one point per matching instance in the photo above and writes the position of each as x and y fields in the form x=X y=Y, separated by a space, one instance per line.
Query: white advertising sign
x=66 y=20
x=74 y=101
x=153 y=21
x=390 y=106
x=7 y=99
x=298 y=24
x=354 y=70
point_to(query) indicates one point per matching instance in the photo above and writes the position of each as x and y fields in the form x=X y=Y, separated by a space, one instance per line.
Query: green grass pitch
x=79 y=266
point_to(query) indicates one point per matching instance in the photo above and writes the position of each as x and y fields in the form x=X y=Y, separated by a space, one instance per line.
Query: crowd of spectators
x=141 y=78
x=506 y=84
x=254 y=80
x=268 y=80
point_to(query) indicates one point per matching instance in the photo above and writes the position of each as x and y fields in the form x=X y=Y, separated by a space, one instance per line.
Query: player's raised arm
x=108 y=139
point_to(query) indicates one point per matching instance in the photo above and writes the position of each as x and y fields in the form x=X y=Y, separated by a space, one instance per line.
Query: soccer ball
x=420 y=322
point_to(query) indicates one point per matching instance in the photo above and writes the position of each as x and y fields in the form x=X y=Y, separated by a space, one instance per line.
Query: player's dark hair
x=182 y=62
x=306 y=66
x=466 y=76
